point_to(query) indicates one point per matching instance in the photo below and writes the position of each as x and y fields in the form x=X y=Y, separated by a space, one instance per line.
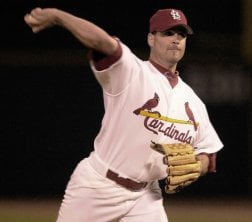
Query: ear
x=150 y=39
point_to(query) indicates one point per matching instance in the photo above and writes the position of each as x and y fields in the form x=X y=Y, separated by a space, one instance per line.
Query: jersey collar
x=171 y=76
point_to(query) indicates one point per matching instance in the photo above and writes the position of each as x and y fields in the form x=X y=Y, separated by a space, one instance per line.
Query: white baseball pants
x=91 y=197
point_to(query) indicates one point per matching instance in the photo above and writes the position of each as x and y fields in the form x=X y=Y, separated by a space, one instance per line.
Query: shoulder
x=189 y=94
x=190 y=91
x=121 y=56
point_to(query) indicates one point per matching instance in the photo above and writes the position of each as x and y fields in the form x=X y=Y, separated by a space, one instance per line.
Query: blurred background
x=51 y=105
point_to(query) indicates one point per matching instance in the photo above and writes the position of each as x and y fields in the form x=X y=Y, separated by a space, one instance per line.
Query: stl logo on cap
x=175 y=15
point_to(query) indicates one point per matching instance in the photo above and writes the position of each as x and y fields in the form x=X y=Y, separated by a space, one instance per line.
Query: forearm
x=86 y=32
x=203 y=158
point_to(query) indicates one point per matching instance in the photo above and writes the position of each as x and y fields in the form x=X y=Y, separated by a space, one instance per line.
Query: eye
x=168 y=33
x=173 y=32
x=182 y=34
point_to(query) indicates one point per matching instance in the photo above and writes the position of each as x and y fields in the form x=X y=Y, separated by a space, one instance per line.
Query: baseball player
x=148 y=108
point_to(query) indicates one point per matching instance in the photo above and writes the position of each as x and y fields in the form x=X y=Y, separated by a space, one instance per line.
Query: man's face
x=168 y=47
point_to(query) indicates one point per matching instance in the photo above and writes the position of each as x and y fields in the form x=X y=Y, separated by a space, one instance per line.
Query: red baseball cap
x=165 y=19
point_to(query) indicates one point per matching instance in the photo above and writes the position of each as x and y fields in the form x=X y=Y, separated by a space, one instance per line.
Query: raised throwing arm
x=89 y=34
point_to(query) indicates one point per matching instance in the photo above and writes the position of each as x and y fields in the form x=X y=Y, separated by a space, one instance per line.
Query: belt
x=100 y=167
x=125 y=182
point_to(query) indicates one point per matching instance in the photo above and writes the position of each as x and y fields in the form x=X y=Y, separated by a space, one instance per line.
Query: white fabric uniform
x=123 y=143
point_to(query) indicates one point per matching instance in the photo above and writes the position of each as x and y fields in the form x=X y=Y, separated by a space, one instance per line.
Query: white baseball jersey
x=141 y=106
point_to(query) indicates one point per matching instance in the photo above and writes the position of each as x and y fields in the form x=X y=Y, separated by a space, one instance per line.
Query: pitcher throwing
x=148 y=107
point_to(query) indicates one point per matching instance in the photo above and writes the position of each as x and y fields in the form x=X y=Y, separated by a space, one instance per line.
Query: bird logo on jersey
x=190 y=115
x=155 y=122
x=149 y=105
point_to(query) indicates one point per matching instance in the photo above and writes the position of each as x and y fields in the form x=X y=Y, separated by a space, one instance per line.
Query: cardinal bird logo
x=190 y=115
x=149 y=105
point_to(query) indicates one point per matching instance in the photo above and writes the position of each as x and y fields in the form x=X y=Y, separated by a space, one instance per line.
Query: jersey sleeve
x=101 y=61
x=207 y=139
x=114 y=73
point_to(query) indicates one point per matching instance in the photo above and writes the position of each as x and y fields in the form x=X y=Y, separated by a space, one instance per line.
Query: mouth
x=173 y=47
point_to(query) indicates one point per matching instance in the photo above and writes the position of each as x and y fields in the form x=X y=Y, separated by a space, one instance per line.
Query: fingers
x=28 y=19
x=32 y=19
x=31 y=22
x=35 y=12
x=33 y=16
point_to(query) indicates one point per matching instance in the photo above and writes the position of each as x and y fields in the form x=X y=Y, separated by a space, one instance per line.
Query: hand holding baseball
x=39 y=19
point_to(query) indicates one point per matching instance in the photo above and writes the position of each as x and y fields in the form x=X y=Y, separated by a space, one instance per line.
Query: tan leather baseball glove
x=182 y=166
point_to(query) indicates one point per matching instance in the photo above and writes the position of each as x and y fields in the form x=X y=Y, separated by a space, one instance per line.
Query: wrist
x=204 y=161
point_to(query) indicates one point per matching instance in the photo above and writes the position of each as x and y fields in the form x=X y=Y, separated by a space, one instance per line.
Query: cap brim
x=187 y=28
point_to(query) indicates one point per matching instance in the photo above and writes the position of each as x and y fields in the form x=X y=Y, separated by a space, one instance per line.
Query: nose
x=176 y=39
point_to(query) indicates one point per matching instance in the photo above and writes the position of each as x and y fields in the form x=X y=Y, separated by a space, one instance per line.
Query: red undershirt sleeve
x=103 y=61
x=212 y=162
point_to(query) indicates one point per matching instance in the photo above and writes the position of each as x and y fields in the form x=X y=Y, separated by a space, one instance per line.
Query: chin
x=175 y=60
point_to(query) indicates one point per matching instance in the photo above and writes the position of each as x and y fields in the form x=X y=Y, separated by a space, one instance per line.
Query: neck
x=168 y=66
